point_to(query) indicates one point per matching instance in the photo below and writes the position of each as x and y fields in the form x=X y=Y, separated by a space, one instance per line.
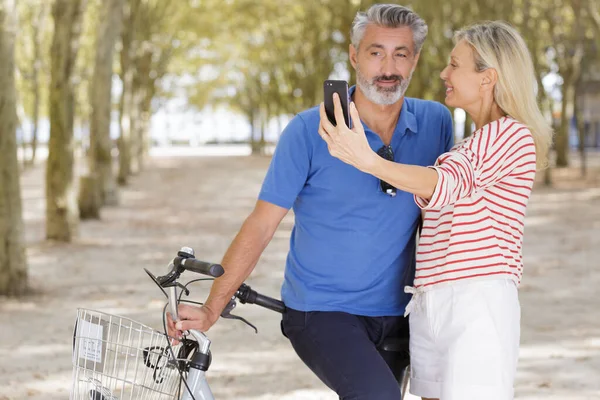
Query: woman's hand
x=348 y=145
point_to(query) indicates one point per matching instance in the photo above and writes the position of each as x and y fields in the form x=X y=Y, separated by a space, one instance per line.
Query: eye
x=375 y=53
x=401 y=55
x=453 y=65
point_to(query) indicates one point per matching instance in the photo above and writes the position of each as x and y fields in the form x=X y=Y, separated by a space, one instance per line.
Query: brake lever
x=226 y=313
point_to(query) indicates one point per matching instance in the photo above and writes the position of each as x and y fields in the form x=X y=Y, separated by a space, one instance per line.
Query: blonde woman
x=465 y=313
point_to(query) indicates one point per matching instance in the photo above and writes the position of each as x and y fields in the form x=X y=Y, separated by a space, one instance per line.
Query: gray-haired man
x=353 y=243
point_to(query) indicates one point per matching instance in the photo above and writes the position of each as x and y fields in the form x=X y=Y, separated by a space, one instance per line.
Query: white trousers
x=464 y=341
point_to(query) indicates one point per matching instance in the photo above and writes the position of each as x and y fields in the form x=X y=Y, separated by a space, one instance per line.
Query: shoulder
x=310 y=117
x=509 y=124
x=303 y=123
x=510 y=130
x=302 y=128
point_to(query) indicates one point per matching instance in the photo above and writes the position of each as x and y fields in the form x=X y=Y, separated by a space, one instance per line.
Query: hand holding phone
x=341 y=88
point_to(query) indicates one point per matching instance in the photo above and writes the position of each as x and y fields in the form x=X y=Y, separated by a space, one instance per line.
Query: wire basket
x=116 y=358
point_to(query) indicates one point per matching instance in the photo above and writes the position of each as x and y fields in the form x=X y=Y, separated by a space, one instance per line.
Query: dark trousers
x=343 y=351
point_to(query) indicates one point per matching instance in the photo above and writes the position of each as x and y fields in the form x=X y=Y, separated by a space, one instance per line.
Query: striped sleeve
x=484 y=160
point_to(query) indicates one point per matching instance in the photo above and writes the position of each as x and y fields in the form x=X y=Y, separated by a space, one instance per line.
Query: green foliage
x=269 y=58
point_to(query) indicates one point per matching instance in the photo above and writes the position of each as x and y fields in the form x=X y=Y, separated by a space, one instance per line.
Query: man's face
x=384 y=63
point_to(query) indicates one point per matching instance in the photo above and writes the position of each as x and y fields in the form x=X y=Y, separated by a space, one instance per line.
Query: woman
x=465 y=313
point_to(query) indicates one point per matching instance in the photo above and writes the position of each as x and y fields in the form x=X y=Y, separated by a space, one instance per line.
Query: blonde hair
x=498 y=45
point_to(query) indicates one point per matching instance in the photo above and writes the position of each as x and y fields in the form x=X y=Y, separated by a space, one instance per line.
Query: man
x=353 y=242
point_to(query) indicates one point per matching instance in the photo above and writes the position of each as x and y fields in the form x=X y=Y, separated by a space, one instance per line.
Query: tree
x=157 y=26
x=31 y=55
x=13 y=267
x=100 y=187
x=126 y=121
x=61 y=203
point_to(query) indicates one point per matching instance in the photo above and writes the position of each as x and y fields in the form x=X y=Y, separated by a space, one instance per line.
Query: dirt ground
x=201 y=202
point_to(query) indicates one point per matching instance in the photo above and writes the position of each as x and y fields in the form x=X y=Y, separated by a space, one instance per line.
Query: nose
x=444 y=74
x=389 y=66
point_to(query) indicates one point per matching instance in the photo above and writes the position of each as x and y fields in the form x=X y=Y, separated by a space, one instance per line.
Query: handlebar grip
x=266 y=302
x=202 y=267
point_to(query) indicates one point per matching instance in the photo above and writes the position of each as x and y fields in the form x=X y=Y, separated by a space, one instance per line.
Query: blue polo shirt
x=351 y=244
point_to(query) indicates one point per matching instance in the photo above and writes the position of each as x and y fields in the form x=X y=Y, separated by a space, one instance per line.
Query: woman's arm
x=420 y=181
x=351 y=146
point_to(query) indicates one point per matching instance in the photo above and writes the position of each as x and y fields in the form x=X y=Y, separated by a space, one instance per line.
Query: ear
x=489 y=79
x=416 y=61
x=353 y=52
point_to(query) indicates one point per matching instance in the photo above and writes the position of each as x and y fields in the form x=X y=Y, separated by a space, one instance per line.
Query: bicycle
x=117 y=355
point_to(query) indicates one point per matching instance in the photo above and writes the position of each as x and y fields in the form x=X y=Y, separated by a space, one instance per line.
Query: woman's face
x=462 y=81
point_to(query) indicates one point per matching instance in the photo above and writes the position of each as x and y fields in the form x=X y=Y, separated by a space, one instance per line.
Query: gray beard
x=381 y=96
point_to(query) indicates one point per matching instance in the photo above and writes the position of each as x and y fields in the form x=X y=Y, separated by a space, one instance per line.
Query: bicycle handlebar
x=246 y=295
x=185 y=260
x=201 y=267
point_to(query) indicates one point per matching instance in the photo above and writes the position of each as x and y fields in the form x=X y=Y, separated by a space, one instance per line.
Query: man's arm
x=283 y=183
x=243 y=253
x=239 y=261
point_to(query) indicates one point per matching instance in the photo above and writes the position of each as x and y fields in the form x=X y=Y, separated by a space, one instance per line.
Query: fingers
x=191 y=317
x=170 y=323
x=326 y=129
x=186 y=313
x=325 y=123
x=172 y=332
x=324 y=135
x=338 y=111
x=356 y=123
x=197 y=324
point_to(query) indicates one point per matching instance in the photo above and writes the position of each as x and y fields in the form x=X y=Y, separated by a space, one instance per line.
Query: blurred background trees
x=13 y=269
x=99 y=82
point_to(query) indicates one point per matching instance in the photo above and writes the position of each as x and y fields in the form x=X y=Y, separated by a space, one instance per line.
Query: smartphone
x=341 y=88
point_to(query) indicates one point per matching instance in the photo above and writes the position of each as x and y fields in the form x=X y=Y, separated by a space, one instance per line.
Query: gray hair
x=389 y=16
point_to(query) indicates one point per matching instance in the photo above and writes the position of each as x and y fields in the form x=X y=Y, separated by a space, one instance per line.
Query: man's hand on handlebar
x=191 y=317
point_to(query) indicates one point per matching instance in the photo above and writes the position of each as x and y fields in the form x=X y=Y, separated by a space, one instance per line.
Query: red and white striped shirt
x=473 y=224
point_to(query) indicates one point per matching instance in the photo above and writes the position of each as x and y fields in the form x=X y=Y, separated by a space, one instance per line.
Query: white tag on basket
x=91 y=344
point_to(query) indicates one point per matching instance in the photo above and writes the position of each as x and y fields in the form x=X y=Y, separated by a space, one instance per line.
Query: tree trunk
x=89 y=197
x=38 y=30
x=140 y=91
x=264 y=123
x=578 y=107
x=255 y=133
x=100 y=159
x=145 y=118
x=126 y=120
x=562 y=135
x=21 y=117
x=13 y=264
x=62 y=214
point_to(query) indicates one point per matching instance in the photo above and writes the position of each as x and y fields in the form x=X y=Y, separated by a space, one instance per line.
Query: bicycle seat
x=395 y=345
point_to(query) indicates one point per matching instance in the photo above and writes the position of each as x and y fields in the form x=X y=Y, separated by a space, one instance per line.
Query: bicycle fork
x=198 y=386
